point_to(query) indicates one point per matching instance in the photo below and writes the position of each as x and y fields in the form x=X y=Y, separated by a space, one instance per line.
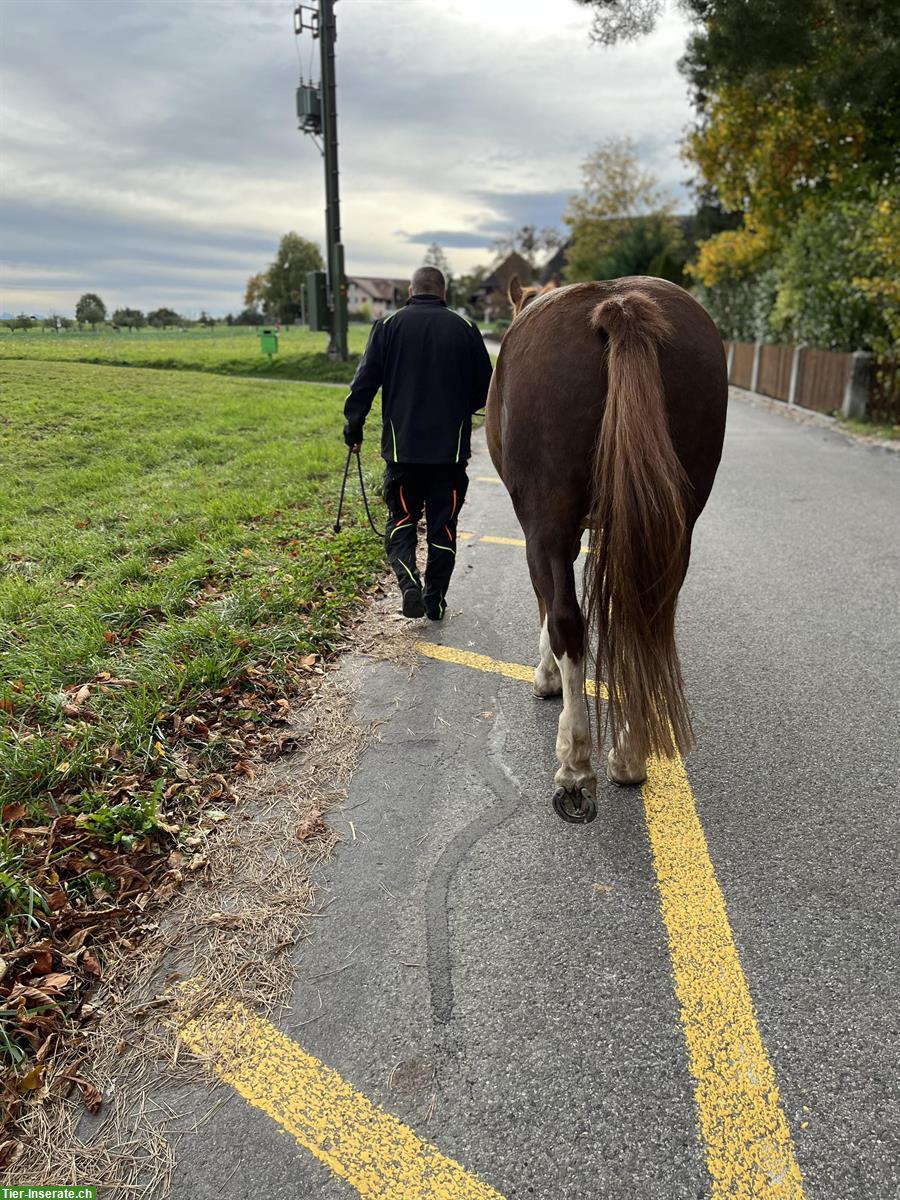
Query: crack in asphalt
x=500 y=779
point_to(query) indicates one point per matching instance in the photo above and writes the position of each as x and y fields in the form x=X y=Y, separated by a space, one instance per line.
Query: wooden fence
x=775 y=364
x=742 y=364
x=825 y=381
x=822 y=380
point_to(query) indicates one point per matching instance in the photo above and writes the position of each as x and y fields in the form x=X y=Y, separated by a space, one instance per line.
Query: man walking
x=433 y=370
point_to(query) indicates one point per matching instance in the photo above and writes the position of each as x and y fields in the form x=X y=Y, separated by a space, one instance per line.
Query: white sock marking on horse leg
x=573 y=741
x=547 y=679
x=623 y=766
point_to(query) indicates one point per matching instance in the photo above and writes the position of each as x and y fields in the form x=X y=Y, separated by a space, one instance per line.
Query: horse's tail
x=638 y=551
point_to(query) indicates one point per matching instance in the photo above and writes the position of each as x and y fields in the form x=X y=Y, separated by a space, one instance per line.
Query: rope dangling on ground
x=362 y=487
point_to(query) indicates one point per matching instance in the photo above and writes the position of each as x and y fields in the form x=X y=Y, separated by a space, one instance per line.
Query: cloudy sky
x=149 y=148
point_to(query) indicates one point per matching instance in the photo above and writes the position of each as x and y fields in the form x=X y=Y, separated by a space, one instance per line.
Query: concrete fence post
x=858 y=387
x=730 y=360
x=796 y=363
x=754 y=374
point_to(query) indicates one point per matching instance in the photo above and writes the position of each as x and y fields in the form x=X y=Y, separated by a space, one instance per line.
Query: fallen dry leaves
x=90 y=893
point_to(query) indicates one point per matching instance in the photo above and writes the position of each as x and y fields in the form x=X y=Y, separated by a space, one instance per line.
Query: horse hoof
x=546 y=695
x=577 y=806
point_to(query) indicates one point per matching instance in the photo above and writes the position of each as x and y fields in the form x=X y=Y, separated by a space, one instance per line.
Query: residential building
x=379 y=295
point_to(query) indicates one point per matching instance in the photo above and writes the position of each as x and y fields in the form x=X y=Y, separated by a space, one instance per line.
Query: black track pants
x=441 y=490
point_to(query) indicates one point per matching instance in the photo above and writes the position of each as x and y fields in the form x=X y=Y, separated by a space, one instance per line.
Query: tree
x=842 y=60
x=162 y=318
x=796 y=134
x=844 y=57
x=90 y=310
x=466 y=288
x=286 y=276
x=622 y=20
x=255 y=291
x=249 y=317
x=435 y=257
x=648 y=245
x=205 y=319
x=620 y=219
x=810 y=86
x=529 y=241
x=22 y=321
x=131 y=318
x=766 y=157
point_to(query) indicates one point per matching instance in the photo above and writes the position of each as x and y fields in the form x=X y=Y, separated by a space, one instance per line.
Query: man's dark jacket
x=433 y=370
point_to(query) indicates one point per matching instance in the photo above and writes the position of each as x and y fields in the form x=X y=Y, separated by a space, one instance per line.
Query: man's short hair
x=428 y=280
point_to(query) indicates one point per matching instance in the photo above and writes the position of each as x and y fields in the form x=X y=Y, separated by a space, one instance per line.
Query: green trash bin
x=268 y=342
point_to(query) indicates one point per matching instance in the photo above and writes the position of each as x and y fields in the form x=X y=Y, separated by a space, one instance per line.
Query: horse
x=606 y=412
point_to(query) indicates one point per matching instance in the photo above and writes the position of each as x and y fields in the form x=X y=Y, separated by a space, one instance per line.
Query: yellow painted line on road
x=503 y=541
x=477 y=662
x=488 y=479
x=373 y=1151
x=749 y=1149
x=480 y=662
x=507 y=541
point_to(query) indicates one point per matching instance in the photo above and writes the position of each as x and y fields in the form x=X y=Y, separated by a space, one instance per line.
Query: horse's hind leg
x=547 y=679
x=554 y=579
x=623 y=765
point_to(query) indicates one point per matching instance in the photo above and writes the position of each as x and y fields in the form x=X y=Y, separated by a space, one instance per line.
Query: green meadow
x=228 y=350
x=172 y=531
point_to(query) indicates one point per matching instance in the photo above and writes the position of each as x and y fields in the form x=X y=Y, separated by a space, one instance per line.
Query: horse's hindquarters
x=613 y=402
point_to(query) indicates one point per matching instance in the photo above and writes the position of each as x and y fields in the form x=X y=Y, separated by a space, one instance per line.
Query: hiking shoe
x=412 y=603
x=435 y=609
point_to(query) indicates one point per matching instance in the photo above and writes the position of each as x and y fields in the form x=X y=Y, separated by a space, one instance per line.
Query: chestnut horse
x=607 y=411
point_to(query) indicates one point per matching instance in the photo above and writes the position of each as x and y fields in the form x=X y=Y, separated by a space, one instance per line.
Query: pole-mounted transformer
x=326 y=293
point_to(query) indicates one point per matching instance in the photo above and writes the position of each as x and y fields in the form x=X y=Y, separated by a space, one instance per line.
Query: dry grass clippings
x=246 y=897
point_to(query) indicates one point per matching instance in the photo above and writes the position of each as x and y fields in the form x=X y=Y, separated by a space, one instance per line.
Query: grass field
x=163 y=528
x=225 y=350
x=168 y=579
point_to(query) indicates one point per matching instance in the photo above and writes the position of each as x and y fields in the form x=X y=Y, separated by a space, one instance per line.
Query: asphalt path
x=502 y=982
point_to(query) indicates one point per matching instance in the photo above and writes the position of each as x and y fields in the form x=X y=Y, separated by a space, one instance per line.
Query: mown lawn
x=225 y=350
x=168 y=577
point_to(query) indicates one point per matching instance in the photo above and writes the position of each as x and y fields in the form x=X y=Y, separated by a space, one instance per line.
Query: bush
x=822 y=273
x=833 y=282
x=741 y=308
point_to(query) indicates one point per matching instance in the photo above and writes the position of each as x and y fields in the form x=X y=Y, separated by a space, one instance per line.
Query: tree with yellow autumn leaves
x=796 y=134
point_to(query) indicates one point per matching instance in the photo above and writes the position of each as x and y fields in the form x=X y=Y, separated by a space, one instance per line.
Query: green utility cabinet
x=318 y=315
x=268 y=342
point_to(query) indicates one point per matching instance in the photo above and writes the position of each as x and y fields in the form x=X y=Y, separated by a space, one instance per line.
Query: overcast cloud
x=149 y=148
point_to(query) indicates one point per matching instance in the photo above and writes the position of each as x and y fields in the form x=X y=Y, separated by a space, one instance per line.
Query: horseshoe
x=578 y=808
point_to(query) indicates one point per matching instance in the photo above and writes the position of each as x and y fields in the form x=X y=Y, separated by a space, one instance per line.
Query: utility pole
x=317 y=111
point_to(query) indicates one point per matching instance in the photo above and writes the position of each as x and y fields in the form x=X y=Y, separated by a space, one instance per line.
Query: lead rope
x=362 y=487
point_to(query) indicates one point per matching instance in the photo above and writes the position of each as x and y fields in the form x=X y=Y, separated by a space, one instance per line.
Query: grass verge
x=871 y=429
x=168 y=579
